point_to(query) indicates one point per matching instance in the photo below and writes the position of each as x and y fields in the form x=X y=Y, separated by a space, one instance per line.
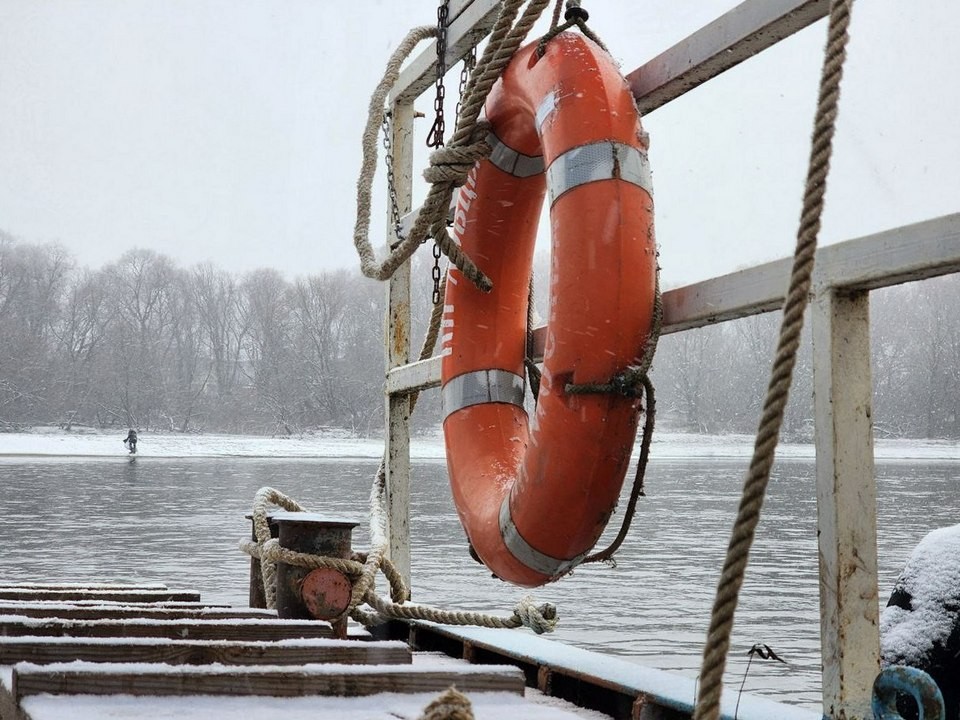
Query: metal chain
x=436 y=273
x=469 y=62
x=435 y=137
x=391 y=184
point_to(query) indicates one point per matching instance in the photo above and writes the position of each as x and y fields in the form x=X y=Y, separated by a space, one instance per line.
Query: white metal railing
x=844 y=275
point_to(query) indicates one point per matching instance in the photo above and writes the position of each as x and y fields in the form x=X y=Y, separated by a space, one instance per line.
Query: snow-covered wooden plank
x=33 y=594
x=95 y=611
x=846 y=502
x=119 y=585
x=383 y=706
x=178 y=604
x=249 y=629
x=280 y=681
x=735 y=36
x=45 y=650
x=575 y=672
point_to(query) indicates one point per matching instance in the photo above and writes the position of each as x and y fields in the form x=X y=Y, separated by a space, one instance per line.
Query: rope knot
x=452 y=163
x=629 y=383
x=539 y=618
x=451 y=705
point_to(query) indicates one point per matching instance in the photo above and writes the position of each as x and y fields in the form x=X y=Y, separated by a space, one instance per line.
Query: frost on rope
x=922 y=621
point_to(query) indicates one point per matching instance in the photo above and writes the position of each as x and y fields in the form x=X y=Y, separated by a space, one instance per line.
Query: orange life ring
x=534 y=498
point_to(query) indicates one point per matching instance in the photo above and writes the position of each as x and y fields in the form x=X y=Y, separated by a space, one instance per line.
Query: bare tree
x=268 y=350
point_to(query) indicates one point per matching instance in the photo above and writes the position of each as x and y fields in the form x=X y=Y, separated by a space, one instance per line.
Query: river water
x=179 y=521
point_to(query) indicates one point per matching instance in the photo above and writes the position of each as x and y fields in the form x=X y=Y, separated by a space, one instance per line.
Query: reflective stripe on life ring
x=534 y=494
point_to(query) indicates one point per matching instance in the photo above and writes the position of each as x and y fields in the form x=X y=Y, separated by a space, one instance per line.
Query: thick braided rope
x=451 y=705
x=636 y=491
x=368 y=166
x=449 y=165
x=266 y=498
x=539 y=618
x=738 y=551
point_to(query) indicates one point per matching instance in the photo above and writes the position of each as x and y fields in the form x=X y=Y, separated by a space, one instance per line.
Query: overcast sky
x=229 y=130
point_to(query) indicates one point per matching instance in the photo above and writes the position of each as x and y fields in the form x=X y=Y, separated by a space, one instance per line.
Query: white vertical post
x=846 y=502
x=398 y=353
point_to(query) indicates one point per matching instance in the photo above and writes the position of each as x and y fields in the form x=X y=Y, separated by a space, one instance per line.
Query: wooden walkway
x=146 y=651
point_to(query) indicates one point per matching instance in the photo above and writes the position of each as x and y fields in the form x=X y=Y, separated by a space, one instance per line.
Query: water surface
x=180 y=522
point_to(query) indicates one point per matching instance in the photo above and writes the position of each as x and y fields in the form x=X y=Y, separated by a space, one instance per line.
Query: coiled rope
x=448 y=165
x=450 y=705
x=755 y=485
x=362 y=569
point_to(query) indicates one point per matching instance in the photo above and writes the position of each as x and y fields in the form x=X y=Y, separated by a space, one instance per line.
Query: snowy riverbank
x=45 y=442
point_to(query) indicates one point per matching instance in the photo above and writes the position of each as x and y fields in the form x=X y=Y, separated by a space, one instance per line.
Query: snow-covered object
x=920 y=626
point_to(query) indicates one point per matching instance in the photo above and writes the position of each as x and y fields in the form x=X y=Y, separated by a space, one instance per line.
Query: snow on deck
x=667 y=688
x=385 y=706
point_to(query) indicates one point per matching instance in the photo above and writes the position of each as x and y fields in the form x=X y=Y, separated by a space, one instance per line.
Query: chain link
x=469 y=63
x=436 y=273
x=391 y=183
x=435 y=137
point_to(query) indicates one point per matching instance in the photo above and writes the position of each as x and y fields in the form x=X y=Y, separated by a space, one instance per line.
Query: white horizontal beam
x=913 y=252
x=468 y=22
x=735 y=36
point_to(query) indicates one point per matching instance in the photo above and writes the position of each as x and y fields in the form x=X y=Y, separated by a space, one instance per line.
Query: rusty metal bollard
x=322 y=593
x=258 y=598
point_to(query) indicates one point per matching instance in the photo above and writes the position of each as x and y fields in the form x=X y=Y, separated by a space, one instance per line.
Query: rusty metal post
x=323 y=593
x=258 y=598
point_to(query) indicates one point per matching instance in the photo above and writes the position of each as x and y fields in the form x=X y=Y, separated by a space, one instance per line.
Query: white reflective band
x=530 y=556
x=511 y=161
x=479 y=387
x=547 y=106
x=598 y=161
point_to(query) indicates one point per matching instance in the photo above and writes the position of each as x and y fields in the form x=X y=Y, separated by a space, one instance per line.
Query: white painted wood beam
x=468 y=22
x=735 y=36
x=846 y=502
x=913 y=252
x=398 y=354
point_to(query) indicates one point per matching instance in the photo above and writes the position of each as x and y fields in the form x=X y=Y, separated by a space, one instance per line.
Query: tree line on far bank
x=146 y=343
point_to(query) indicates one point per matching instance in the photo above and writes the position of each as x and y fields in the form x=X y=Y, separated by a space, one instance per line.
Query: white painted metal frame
x=844 y=275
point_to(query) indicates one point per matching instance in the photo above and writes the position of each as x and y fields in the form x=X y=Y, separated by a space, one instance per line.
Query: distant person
x=131 y=440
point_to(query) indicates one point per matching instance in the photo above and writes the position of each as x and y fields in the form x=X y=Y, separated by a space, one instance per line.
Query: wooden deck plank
x=118 y=585
x=72 y=611
x=341 y=680
x=183 y=604
x=244 y=630
x=486 y=706
x=45 y=650
x=34 y=594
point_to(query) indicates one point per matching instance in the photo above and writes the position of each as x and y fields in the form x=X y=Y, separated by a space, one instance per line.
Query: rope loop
x=362 y=568
x=628 y=384
x=450 y=164
x=466 y=145
x=539 y=618
x=574 y=16
x=451 y=705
